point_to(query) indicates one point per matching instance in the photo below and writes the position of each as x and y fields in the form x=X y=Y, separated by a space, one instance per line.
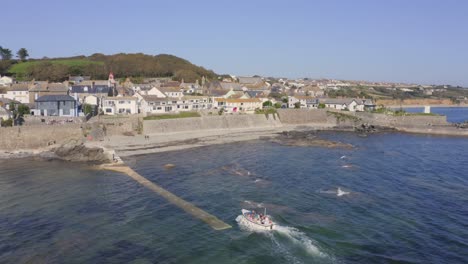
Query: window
x=121 y=102
x=108 y=110
x=159 y=108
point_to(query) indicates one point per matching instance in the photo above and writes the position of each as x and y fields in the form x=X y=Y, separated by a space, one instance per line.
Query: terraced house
x=120 y=105
x=238 y=105
x=151 y=104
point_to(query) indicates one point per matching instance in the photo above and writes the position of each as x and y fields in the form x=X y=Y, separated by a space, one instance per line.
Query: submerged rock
x=366 y=128
x=306 y=139
x=169 y=166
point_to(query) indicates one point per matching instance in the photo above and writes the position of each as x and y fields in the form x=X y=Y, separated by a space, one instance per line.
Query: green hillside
x=98 y=66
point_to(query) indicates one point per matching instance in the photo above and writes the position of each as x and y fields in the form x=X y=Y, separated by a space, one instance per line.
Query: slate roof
x=6 y=101
x=19 y=87
x=250 y=80
x=90 y=89
x=169 y=89
x=250 y=100
x=78 y=79
x=228 y=86
x=55 y=98
x=4 y=112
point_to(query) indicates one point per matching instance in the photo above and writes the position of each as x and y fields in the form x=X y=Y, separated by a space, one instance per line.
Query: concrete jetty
x=211 y=220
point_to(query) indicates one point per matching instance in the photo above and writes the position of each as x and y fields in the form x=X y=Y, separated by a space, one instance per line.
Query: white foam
x=293 y=234
x=300 y=238
x=340 y=192
x=343 y=157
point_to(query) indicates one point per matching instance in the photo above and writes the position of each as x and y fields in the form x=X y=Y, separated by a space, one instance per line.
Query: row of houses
x=348 y=104
x=165 y=96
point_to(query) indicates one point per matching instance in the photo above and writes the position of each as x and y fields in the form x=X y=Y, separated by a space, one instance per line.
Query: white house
x=304 y=101
x=238 y=105
x=6 y=81
x=91 y=100
x=18 y=92
x=350 y=104
x=150 y=104
x=120 y=105
x=162 y=92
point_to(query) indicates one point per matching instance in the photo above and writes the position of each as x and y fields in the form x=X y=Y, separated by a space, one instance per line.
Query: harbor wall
x=403 y=121
x=304 y=116
x=210 y=123
x=33 y=137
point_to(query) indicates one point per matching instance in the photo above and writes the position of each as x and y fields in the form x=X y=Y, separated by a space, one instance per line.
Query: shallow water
x=406 y=203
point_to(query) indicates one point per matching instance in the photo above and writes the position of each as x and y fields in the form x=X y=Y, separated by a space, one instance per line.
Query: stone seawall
x=209 y=123
x=118 y=125
x=34 y=137
x=403 y=121
x=303 y=116
x=344 y=118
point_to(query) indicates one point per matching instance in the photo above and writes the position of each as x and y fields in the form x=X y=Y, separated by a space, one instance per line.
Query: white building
x=238 y=105
x=6 y=81
x=349 y=104
x=120 y=105
x=91 y=100
x=18 y=92
x=163 y=92
x=150 y=104
x=304 y=101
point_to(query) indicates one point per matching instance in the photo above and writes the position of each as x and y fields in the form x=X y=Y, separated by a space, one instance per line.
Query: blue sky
x=399 y=40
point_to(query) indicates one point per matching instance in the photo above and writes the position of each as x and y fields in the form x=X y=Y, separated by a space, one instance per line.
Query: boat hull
x=253 y=225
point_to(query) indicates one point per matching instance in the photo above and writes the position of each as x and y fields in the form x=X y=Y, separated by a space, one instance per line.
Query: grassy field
x=20 y=68
x=172 y=116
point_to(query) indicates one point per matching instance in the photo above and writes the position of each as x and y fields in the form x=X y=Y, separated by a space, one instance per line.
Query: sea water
x=405 y=201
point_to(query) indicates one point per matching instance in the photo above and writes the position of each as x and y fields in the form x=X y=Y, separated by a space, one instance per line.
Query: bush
x=267 y=104
x=8 y=122
x=278 y=105
x=87 y=109
x=321 y=106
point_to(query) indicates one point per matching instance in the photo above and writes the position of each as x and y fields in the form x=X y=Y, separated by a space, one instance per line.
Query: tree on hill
x=5 y=53
x=122 y=65
x=22 y=54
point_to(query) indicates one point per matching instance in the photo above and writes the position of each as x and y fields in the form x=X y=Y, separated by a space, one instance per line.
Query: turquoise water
x=454 y=114
x=406 y=204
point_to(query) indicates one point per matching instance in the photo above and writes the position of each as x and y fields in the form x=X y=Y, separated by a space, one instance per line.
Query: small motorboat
x=256 y=221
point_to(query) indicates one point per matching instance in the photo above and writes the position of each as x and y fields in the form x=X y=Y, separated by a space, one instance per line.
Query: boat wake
x=338 y=192
x=300 y=239
x=282 y=234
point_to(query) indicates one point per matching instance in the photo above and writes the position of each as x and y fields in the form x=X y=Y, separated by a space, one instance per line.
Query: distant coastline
x=431 y=105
